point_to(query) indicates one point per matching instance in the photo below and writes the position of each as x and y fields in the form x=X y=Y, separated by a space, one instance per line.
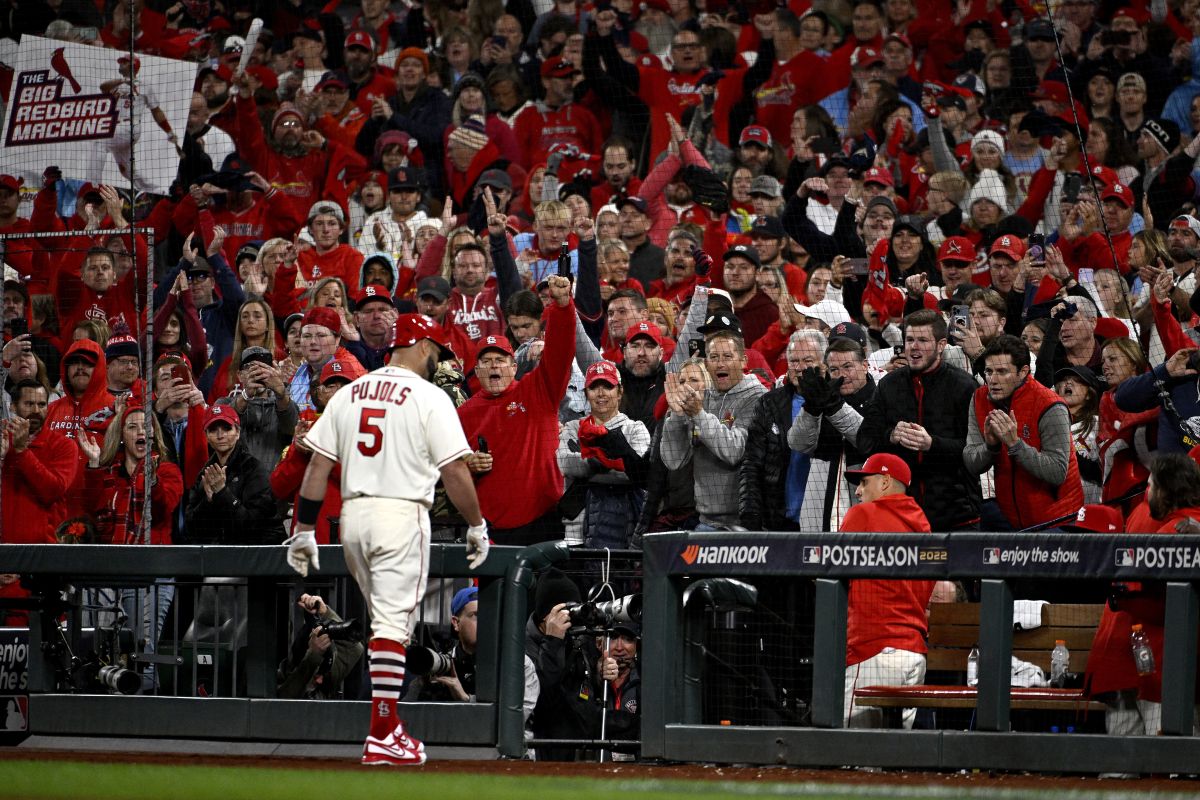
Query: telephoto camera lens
x=119 y=679
x=430 y=663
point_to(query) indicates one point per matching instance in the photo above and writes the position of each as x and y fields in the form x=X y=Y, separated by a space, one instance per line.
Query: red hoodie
x=521 y=428
x=886 y=613
x=35 y=480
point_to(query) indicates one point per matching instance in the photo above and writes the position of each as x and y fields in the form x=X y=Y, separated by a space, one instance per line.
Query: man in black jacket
x=834 y=403
x=920 y=413
x=772 y=477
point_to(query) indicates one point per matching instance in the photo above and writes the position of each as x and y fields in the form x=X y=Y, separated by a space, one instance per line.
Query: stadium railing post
x=829 y=653
x=1179 y=659
x=995 y=648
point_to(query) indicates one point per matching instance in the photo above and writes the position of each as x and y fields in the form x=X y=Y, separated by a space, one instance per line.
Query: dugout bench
x=674 y=727
x=954 y=630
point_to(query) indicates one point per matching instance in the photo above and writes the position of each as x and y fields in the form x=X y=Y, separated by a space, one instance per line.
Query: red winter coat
x=117 y=500
x=34 y=482
x=886 y=613
x=285 y=485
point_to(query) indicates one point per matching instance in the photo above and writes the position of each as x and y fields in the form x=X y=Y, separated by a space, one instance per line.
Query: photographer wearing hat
x=318 y=663
x=565 y=708
x=618 y=666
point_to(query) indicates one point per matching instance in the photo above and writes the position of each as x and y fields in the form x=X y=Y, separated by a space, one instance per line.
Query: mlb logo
x=991 y=555
x=810 y=555
x=1124 y=556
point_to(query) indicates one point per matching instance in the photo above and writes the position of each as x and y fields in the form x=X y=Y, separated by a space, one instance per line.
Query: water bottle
x=1143 y=656
x=973 y=667
x=1060 y=660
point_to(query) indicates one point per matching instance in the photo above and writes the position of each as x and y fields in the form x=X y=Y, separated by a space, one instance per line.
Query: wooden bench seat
x=925 y=696
x=954 y=630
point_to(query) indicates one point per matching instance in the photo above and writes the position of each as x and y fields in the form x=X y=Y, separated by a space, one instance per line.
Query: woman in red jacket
x=115 y=480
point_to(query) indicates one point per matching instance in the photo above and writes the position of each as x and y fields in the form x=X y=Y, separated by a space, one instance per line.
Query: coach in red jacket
x=517 y=478
x=886 y=624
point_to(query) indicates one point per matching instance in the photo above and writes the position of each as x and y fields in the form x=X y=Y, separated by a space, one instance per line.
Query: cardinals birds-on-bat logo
x=58 y=62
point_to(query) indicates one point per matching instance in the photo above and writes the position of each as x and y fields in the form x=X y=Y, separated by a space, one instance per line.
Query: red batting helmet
x=412 y=328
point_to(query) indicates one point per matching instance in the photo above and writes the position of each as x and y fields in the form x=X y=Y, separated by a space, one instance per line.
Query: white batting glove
x=302 y=551
x=477 y=545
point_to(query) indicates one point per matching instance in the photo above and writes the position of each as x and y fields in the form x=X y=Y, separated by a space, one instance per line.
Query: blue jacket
x=1140 y=393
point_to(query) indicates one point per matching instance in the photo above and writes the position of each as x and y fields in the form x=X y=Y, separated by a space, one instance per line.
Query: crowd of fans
x=799 y=235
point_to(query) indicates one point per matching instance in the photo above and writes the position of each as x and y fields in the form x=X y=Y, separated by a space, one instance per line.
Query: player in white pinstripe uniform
x=394 y=434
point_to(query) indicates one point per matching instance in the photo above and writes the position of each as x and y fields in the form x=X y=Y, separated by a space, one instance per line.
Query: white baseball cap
x=831 y=312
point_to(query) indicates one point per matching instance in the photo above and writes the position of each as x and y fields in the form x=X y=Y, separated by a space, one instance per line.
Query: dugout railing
x=56 y=573
x=672 y=655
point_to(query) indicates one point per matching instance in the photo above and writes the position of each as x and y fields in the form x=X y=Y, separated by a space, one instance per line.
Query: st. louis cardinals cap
x=881 y=464
x=372 y=292
x=602 y=372
x=222 y=413
x=412 y=328
x=500 y=343
x=346 y=369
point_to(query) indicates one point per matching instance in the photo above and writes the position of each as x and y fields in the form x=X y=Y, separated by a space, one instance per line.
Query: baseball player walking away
x=394 y=434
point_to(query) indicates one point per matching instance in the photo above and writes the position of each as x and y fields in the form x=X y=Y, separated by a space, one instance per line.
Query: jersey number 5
x=368 y=425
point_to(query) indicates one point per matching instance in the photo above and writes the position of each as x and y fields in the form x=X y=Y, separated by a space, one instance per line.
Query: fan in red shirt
x=368 y=80
x=329 y=257
x=555 y=119
x=886 y=623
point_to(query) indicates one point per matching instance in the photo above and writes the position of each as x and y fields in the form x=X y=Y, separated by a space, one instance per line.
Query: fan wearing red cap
x=1004 y=262
x=673 y=90
x=320 y=341
x=1021 y=430
x=886 y=626
x=231 y=501
x=514 y=425
x=608 y=450
x=394 y=434
x=1092 y=250
x=368 y=83
x=557 y=121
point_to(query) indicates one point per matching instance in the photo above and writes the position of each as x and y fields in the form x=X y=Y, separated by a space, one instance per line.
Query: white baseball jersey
x=132 y=100
x=392 y=432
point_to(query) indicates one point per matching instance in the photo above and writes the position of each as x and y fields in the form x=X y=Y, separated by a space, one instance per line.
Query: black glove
x=820 y=393
x=1067 y=311
x=703 y=260
x=707 y=189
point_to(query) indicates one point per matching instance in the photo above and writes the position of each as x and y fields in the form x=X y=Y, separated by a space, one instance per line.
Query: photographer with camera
x=324 y=653
x=618 y=666
x=566 y=708
x=451 y=675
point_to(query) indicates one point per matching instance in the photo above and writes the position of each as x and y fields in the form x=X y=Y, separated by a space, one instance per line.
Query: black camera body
x=345 y=631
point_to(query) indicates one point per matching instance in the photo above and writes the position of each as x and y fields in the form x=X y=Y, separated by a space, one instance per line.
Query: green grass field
x=52 y=780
